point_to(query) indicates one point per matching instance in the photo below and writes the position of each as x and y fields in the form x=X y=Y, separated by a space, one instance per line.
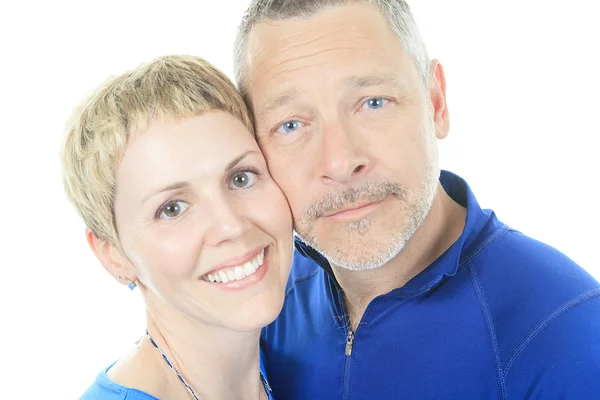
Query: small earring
x=130 y=284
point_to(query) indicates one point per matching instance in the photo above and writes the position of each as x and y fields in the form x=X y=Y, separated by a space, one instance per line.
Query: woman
x=162 y=165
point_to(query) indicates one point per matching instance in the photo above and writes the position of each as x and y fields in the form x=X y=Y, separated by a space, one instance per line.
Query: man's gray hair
x=396 y=12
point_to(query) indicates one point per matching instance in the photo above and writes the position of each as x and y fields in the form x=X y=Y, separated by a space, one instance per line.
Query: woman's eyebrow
x=239 y=158
x=168 y=188
x=185 y=184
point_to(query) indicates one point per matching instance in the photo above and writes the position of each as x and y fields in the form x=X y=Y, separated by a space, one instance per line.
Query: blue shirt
x=105 y=389
x=497 y=316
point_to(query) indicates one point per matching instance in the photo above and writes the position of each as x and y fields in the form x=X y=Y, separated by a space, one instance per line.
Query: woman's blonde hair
x=168 y=88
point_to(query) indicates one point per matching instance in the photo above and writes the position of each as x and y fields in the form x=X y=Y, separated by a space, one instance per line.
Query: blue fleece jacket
x=498 y=316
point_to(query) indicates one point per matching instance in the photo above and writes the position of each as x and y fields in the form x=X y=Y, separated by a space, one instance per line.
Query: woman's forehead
x=197 y=146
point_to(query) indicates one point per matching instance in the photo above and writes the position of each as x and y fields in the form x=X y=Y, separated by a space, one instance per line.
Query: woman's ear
x=111 y=259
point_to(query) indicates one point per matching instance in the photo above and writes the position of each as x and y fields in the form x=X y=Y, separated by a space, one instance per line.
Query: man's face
x=347 y=129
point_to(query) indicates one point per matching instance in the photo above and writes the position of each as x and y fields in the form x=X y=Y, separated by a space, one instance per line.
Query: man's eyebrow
x=287 y=96
x=367 y=81
x=280 y=100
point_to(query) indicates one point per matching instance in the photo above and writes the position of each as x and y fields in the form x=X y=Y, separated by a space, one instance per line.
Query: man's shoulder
x=518 y=276
x=534 y=295
x=523 y=265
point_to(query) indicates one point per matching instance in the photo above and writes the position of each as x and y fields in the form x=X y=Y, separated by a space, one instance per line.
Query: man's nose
x=342 y=159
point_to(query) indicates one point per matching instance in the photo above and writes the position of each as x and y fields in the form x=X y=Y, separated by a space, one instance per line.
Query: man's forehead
x=305 y=42
x=350 y=23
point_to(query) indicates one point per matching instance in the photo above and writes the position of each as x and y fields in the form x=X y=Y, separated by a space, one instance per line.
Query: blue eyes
x=372 y=103
x=375 y=103
x=289 y=126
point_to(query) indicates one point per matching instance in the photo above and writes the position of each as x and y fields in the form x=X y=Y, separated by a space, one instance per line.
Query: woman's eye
x=374 y=103
x=243 y=180
x=173 y=210
x=289 y=126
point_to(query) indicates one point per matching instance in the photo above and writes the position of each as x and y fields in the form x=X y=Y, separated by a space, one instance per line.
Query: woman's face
x=205 y=229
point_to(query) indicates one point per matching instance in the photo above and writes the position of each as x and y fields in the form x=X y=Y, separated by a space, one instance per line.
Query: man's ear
x=437 y=95
x=111 y=258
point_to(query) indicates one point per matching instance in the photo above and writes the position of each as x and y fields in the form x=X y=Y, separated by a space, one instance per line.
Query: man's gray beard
x=358 y=253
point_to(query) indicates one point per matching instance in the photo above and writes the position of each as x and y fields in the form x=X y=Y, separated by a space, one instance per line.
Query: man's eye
x=243 y=180
x=173 y=210
x=289 y=126
x=374 y=103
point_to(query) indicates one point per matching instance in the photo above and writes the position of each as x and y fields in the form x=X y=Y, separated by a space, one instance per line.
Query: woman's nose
x=225 y=224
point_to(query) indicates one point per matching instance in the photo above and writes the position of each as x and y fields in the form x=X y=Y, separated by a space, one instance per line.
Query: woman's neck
x=215 y=362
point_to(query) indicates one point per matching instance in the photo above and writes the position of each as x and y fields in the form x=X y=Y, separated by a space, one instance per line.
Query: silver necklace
x=188 y=387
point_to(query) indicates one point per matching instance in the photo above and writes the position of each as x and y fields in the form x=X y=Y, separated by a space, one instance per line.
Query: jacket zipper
x=349 y=342
x=348 y=352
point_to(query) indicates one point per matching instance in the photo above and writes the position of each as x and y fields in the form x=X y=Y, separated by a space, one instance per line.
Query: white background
x=523 y=92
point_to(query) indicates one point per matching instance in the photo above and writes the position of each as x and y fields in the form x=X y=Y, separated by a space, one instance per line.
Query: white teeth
x=249 y=268
x=224 y=277
x=237 y=273
x=261 y=257
x=231 y=275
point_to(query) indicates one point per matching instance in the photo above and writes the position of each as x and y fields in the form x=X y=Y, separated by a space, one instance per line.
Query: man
x=402 y=286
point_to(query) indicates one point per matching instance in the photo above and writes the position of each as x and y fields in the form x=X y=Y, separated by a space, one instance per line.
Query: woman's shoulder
x=104 y=388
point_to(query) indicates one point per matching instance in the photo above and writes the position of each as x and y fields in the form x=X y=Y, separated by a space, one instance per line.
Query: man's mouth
x=355 y=210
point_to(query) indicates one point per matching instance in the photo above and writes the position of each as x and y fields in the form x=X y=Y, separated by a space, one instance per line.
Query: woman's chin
x=255 y=317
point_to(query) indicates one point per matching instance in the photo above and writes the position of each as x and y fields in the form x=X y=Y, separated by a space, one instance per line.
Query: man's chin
x=359 y=255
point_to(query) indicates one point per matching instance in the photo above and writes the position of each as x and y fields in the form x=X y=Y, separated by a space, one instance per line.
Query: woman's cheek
x=171 y=250
x=270 y=211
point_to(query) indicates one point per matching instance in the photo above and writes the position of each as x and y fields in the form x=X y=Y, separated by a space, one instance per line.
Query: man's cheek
x=297 y=203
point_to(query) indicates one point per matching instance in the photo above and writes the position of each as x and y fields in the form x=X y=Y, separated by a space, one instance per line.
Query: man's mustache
x=368 y=191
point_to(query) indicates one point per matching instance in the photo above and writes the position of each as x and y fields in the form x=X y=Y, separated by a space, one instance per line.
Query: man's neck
x=217 y=363
x=441 y=228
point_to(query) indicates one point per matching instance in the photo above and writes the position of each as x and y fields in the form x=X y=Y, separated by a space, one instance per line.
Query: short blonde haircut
x=168 y=88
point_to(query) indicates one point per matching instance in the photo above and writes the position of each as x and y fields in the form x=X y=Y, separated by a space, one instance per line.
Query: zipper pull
x=349 y=343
